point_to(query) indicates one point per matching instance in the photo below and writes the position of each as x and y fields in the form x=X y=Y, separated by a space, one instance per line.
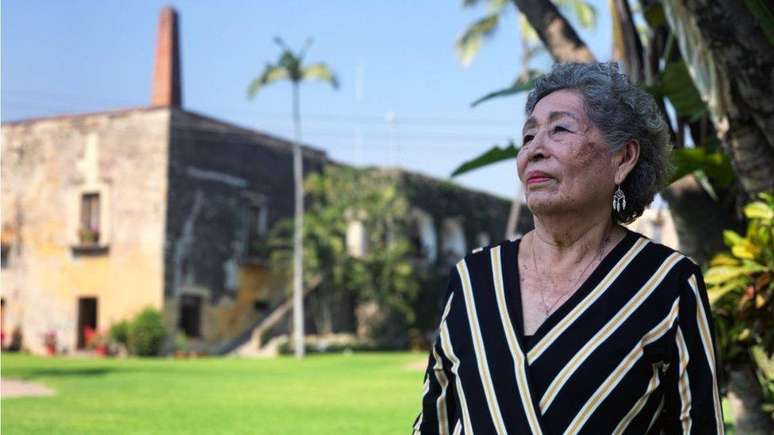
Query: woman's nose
x=535 y=149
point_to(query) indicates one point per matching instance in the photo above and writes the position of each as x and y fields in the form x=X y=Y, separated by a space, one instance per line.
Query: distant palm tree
x=289 y=67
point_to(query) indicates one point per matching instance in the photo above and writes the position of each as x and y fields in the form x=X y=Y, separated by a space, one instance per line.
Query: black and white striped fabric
x=632 y=351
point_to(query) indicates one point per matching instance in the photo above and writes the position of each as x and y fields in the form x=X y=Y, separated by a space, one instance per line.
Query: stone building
x=106 y=213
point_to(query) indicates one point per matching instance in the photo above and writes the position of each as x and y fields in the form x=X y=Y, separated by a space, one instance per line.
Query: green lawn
x=331 y=394
x=371 y=393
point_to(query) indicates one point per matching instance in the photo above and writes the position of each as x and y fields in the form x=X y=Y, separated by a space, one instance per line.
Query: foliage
x=290 y=67
x=469 y=42
x=119 y=332
x=741 y=285
x=384 y=274
x=181 y=342
x=523 y=83
x=146 y=333
x=493 y=155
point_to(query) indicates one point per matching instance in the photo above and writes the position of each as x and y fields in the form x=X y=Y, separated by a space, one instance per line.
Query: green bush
x=119 y=332
x=146 y=333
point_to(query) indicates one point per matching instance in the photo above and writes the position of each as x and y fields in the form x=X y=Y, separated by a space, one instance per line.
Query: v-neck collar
x=513 y=299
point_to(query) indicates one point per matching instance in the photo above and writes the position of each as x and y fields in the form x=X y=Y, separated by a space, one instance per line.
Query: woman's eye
x=527 y=139
x=559 y=128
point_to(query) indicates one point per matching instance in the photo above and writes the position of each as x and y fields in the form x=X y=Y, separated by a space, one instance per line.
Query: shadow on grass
x=66 y=372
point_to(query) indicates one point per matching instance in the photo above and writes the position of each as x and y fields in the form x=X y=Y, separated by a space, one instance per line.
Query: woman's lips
x=537 y=178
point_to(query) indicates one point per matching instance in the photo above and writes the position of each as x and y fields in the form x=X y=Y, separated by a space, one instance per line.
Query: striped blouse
x=632 y=351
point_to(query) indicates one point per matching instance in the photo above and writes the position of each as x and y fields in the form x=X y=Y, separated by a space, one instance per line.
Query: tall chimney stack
x=166 y=74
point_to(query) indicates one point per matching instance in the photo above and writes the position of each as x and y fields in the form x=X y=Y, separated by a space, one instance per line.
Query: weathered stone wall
x=478 y=212
x=46 y=165
x=216 y=171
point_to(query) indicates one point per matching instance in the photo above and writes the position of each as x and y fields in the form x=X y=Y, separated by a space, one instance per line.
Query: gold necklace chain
x=546 y=308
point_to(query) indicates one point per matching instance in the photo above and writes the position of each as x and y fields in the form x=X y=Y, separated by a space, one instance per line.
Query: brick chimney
x=166 y=74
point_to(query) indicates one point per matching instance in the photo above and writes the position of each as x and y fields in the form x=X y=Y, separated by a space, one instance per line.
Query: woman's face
x=565 y=163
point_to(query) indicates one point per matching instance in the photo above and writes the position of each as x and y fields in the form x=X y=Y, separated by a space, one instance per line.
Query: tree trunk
x=689 y=204
x=298 y=228
x=557 y=34
x=721 y=40
x=744 y=395
x=627 y=45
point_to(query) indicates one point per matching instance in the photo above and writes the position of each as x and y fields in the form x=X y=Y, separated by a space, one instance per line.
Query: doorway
x=87 y=320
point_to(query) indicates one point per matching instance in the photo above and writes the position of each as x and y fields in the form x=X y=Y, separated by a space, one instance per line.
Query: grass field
x=330 y=394
x=372 y=393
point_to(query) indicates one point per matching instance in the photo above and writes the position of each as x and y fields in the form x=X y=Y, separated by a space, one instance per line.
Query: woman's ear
x=625 y=158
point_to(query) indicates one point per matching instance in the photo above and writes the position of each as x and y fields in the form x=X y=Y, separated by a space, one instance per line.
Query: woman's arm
x=692 y=401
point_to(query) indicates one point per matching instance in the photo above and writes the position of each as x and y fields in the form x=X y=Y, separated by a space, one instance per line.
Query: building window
x=453 y=244
x=5 y=251
x=257 y=228
x=422 y=235
x=88 y=233
x=190 y=315
x=357 y=240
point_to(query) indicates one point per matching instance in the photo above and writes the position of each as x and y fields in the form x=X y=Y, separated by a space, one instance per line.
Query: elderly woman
x=580 y=326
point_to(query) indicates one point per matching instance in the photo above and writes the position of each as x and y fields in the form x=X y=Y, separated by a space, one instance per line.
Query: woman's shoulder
x=655 y=256
x=482 y=256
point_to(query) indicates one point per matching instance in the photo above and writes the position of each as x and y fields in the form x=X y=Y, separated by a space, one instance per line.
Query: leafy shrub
x=741 y=284
x=741 y=291
x=119 y=332
x=146 y=333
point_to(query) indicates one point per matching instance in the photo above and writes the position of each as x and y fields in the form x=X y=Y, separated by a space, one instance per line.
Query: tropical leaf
x=320 y=71
x=758 y=210
x=654 y=15
x=586 y=13
x=715 y=165
x=524 y=82
x=723 y=274
x=494 y=155
x=744 y=250
x=270 y=74
x=715 y=293
x=732 y=238
x=763 y=13
x=724 y=259
x=469 y=43
x=528 y=33
x=497 y=6
x=676 y=83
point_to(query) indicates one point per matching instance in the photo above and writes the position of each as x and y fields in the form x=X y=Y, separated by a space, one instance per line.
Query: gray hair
x=621 y=111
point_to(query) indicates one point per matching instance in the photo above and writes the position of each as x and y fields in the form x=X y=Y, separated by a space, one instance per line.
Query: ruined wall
x=46 y=165
x=478 y=212
x=216 y=171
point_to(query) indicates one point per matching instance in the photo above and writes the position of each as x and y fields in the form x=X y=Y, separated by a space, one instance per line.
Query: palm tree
x=290 y=67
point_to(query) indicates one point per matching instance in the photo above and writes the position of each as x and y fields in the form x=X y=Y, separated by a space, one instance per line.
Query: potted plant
x=181 y=345
x=49 y=341
x=98 y=342
x=89 y=235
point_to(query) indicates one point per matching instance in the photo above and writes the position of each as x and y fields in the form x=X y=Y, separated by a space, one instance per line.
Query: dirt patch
x=19 y=388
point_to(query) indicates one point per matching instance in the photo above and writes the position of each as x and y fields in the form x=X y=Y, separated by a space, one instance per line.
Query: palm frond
x=320 y=71
x=583 y=11
x=270 y=74
x=497 y=6
x=524 y=82
x=494 y=155
x=528 y=33
x=470 y=42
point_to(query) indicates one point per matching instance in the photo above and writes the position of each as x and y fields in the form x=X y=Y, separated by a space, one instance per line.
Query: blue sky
x=391 y=57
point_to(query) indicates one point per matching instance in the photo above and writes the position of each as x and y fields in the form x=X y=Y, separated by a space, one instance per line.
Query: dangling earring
x=619 y=200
